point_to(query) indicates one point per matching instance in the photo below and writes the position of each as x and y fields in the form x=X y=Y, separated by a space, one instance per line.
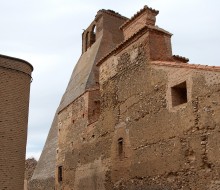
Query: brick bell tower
x=80 y=101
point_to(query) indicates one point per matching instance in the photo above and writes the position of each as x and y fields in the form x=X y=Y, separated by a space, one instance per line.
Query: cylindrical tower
x=15 y=79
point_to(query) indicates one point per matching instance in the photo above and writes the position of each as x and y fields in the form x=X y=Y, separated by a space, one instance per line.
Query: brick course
x=14 y=99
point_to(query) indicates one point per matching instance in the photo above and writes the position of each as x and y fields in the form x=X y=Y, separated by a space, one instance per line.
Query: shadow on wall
x=144 y=188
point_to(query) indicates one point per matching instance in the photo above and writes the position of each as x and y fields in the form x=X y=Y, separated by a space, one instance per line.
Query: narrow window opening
x=93 y=35
x=120 y=147
x=60 y=173
x=179 y=94
x=97 y=101
x=87 y=40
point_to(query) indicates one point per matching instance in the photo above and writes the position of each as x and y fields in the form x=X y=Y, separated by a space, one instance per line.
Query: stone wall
x=164 y=146
x=149 y=122
x=76 y=132
x=30 y=165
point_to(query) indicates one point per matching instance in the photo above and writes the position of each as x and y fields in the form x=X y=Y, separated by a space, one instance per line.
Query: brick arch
x=89 y=36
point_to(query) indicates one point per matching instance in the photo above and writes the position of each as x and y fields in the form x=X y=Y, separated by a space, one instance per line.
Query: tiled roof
x=186 y=65
x=137 y=14
x=112 y=13
x=180 y=58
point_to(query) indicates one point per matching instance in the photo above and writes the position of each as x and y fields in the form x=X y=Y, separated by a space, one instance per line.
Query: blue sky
x=47 y=33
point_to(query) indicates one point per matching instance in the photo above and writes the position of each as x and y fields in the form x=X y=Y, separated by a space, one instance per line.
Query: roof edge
x=17 y=59
x=110 y=12
x=186 y=65
x=87 y=90
x=181 y=58
x=137 y=14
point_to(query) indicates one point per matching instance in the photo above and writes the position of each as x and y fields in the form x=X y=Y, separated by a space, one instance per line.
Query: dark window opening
x=97 y=101
x=60 y=173
x=120 y=147
x=87 y=40
x=179 y=94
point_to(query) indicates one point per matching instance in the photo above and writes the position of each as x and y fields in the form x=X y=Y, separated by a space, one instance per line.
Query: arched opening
x=93 y=34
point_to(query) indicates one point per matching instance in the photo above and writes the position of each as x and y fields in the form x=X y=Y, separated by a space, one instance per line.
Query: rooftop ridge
x=137 y=14
x=124 y=43
x=110 y=12
x=186 y=65
x=181 y=58
x=157 y=28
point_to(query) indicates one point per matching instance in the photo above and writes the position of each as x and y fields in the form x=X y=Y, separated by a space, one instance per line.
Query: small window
x=87 y=40
x=179 y=94
x=60 y=173
x=120 y=147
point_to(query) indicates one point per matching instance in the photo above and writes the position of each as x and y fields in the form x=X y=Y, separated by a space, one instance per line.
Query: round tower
x=15 y=79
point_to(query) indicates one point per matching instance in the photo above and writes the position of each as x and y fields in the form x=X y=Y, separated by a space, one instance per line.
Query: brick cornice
x=17 y=59
x=186 y=65
x=180 y=58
